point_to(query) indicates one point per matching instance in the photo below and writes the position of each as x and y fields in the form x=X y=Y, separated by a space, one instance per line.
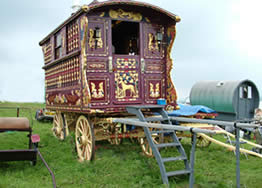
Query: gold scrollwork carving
x=154 y=93
x=85 y=90
x=97 y=94
x=127 y=15
x=152 y=42
x=126 y=81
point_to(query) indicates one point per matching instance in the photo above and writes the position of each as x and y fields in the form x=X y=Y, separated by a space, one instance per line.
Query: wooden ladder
x=159 y=110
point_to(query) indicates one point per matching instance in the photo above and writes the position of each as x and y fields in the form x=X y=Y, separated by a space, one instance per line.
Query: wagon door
x=97 y=50
x=126 y=62
x=245 y=101
x=153 y=63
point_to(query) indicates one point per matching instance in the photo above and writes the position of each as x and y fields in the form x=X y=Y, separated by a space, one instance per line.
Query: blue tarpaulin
x=188 y=110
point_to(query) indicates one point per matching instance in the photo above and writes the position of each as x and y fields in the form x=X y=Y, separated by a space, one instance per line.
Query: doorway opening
x=125 y=37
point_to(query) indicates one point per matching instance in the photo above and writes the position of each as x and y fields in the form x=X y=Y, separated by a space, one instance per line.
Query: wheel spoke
x=80 y=131
x=56 y=122
x=88 y=150
x=89 y=141
x=83 y=150
x=81 y=126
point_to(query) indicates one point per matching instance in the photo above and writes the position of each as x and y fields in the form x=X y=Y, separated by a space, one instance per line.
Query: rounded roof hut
x=233 y=100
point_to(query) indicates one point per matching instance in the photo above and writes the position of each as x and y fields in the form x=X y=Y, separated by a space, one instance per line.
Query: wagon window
x=249 y=92
x=58 y=46
x=240 y=92
x=245 y=92
x=125 y=37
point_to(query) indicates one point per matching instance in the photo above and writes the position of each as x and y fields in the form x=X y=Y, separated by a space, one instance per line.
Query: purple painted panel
x=153 y=37
x=127 y=82
x=97 y=44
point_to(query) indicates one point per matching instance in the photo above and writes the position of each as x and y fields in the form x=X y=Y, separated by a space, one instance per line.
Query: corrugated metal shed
x=233 y=97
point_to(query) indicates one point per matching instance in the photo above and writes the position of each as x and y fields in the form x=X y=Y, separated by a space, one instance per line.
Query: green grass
x=115 y=166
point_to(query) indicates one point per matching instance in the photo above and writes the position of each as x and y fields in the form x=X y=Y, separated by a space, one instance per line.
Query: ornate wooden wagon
x=105 y=57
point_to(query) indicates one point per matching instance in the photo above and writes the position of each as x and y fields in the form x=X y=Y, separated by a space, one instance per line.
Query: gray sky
x=216 y=40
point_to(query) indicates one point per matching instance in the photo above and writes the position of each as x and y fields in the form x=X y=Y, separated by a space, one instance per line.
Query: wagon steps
x=165 y=128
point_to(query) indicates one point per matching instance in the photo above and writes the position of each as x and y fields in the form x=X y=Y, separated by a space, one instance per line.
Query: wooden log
x=230 y=147
x=241 y=139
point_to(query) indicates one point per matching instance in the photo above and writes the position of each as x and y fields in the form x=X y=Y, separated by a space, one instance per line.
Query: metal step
x=167 y=145
x=139 y=110
x=178 y=172
x=169 y=159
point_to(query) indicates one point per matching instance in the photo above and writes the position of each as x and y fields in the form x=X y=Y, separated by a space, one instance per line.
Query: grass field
x=114 y=166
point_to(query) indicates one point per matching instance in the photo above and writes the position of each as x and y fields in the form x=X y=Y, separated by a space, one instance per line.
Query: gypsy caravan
x=105 y=57
x=233 y=100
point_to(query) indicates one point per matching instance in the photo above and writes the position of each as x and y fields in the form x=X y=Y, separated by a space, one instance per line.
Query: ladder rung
x=178 y=172
x=169 y=159
x=162 y=131
x=167 y=145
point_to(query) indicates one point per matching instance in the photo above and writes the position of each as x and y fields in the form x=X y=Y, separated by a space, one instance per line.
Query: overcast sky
x=216 y=40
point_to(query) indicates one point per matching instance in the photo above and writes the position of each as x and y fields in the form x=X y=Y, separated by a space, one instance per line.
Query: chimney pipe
x=75 y=6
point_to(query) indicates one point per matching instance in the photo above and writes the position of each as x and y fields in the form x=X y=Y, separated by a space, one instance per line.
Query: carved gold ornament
x=154 y=91
x=152 y=42
x=125 y=15
x=126 y=63
x=126 y=81
x=171 y=91
x=84 y=30
x=97 y=94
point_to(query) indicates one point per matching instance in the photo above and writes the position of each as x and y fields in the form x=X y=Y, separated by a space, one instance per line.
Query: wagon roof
x=95 y=5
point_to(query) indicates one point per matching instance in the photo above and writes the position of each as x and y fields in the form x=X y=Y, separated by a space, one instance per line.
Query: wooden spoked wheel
x=147 y=150
x=85 y=140
x=202 y=142
x=116 y=130
x=58 y=129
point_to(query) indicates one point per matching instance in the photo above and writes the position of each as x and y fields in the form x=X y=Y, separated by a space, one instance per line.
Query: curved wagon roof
x=97 y=5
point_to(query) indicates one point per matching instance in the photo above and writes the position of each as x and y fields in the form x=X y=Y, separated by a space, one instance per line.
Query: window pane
x=249 y=92
x=58 y=40
x=241 y=92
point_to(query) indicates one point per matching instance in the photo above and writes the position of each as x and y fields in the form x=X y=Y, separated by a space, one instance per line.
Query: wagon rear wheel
x=59 y=130
x=115 y=131
x=85 y=139
x=146 y=148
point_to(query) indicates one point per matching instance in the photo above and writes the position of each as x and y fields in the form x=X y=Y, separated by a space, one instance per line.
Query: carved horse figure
x=125 y=87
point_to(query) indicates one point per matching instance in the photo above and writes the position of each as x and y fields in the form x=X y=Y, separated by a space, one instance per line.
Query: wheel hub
x=83 y=140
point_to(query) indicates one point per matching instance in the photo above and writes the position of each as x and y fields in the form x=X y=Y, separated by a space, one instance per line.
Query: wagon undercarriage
x=98 y=129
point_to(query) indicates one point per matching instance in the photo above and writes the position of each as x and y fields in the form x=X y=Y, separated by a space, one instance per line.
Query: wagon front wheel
x=85 y=140
x=59 y=130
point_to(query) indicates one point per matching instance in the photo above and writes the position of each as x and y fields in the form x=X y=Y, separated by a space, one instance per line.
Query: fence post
x=237 y=155
x=17 y=112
